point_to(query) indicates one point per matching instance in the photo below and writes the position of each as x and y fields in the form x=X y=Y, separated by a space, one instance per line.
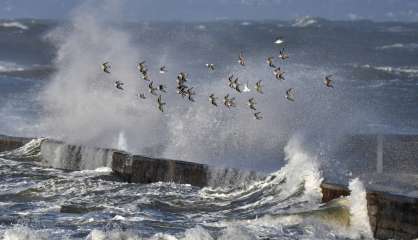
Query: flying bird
x=163 y=69
x=279 y=74
x=190 y=94
x=241 y=59
x=231 y=81
x=210 y=66
x=252 y=103
x=229 y=102
x=270 y=62
x=152 y=89
x=328 y=81
x=141 y=96
x=259 y=87
x=145 y=77
x=106 y=67
x=257 y=116
x=118 y=85
x=290 y=94
x=212 y=100
x=161 y=87
x=237 y=87
x=141 y=67
x=181 y=78
x=160 y=104
x=283 y=55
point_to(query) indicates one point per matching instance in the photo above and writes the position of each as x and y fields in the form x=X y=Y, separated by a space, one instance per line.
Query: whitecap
x=10 y=67
x=14 y=25
x=402 y=46
x=305 y=21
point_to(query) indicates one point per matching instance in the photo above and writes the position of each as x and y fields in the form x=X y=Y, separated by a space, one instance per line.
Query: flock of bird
x=233 y=82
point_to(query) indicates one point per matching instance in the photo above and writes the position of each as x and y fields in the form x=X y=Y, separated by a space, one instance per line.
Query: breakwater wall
x=8 y=143
x=141 y=169
x=391 y=216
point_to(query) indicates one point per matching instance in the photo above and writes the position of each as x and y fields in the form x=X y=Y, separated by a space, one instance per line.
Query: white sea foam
x=405 y=46
x=10 y=67
x=305 y=21
x=359 y=220
x=23 y=233
x=409 y=71
x=14 y=25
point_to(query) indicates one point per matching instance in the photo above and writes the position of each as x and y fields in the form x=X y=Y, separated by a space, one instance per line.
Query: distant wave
x=14 y=25
x=396 y=70
x=15 y=70
x=10 y=66
x=399 y=71
x=405 y=46
x=398 y=29
x=306 y=21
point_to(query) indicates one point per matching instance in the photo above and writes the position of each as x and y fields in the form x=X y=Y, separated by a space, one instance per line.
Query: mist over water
x=82 y=105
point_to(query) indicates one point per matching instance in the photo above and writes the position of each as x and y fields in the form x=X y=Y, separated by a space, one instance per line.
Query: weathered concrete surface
x=8 y=143
x=391 y=216
x=333 y=191
x=140 y=169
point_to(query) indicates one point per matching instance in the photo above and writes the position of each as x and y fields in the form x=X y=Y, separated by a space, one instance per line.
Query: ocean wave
x=410 y=72
x=404 y=46
x=16 y=70
x=14 y=25
x=305 y=21
x=10 y=67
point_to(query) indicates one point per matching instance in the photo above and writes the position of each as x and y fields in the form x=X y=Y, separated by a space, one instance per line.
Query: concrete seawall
x=140 y=169
x=391 y=216
x=8 y=143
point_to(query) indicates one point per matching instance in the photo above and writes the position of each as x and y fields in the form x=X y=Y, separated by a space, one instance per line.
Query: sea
x=52 y=86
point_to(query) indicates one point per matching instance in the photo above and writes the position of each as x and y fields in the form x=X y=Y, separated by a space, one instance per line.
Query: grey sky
x=192 y=10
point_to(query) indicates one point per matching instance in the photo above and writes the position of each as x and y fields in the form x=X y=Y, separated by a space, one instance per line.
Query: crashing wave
x=14 y=25
x=50 y=153
x=305 y=21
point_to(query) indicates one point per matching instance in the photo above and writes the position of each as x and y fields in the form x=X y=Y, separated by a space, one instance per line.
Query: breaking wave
x=285 y=204
x=306 y=21
x=50 y=153
x=14 y=24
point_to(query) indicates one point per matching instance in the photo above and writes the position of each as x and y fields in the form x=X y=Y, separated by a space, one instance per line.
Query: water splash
x=122 y=142
x=359 y=220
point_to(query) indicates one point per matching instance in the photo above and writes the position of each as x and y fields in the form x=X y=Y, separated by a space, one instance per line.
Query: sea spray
x=359 y=220
x=303 y=168
x=122 y=142
x=20 y=232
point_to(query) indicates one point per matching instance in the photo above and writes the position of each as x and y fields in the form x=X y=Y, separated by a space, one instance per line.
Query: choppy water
x=44 y=203
x=51 y=85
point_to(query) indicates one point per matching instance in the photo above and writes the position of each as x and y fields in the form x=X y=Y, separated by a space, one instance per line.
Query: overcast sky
x=192 y=10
